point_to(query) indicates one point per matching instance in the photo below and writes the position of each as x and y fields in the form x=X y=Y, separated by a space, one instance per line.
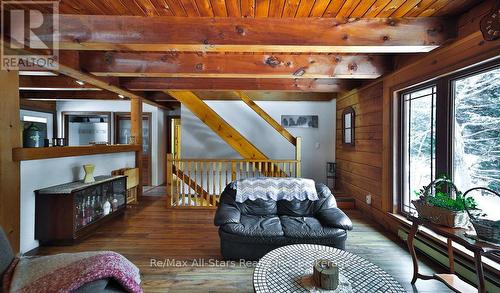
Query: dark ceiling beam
x=266 y=96
x=229 y=84
x=68 y=65
x=233 y=65
x=53 y=82
x=68 y=94
x=203 y=34
x=54 y=94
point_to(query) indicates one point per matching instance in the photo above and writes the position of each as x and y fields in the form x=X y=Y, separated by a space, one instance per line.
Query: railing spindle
x=208 y=199
x=177 y=183
x=189 y=182
x=220 y=182
x=214 y=180
x=183 y=184
x=200 y=194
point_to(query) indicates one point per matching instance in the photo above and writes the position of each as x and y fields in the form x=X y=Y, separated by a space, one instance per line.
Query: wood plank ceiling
x=265 y=47
x=267 y=8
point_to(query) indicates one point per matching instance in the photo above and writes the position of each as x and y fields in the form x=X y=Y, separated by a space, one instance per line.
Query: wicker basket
x=485 y=229
x=438 y=215
x=441 y=216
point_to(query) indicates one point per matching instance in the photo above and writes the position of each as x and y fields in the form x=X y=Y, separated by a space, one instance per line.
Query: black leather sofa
x=250 y=229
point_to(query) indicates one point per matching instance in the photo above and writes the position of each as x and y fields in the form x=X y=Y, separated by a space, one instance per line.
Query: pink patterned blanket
x=69 y=271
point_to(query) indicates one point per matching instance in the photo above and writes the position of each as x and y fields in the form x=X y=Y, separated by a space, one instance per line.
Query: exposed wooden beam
x=233 y=65
x=364 y=35
x=53 y=94
x=223 y=129
x=287 y=135
x=229 y=84
x=74 y=72
x=58 y=94
x=266 y=96
x=60 y=82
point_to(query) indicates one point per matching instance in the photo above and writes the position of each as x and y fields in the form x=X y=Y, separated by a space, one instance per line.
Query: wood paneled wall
x=10 y=130
x=359 y=167
x=367 y=166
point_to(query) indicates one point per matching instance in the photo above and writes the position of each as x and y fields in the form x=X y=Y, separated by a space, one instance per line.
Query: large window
x=451 y=127
x=477 y=130
x=419 y=140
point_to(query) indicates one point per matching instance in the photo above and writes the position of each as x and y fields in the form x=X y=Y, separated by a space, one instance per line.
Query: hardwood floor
x=150 y=232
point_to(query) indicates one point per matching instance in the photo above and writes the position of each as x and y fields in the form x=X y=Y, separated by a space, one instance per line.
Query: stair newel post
x=298 y=157
x=170 y=179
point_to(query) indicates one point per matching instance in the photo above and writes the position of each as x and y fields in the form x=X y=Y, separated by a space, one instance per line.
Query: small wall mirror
x=348 y=117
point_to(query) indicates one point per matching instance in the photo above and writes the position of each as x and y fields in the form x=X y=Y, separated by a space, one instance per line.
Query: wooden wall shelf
x=25 y=154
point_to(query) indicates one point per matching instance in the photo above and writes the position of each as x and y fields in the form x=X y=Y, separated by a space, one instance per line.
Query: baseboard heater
x=463 y=267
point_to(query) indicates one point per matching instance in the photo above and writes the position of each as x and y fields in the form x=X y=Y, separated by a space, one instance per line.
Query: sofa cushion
x=259 y=226
x=296 y=208
x=307 y=227
x=258 y=207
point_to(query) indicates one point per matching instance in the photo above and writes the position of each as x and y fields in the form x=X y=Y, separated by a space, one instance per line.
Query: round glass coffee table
x=289 y=269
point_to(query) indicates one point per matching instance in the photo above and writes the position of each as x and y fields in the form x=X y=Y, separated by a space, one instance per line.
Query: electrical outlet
x=368 y=199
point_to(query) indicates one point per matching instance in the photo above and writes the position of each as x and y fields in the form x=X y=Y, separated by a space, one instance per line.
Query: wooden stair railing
x=193 y=183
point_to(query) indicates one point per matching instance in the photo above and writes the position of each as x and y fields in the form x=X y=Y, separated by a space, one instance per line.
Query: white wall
x=318 y=144
x=158 y=125
x=39 y=174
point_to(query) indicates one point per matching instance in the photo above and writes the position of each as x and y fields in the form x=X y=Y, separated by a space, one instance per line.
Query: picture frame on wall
x=300 y=121
x=348 y=119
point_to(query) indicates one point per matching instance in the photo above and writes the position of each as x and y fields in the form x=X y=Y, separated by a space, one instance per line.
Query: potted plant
x=442 y=203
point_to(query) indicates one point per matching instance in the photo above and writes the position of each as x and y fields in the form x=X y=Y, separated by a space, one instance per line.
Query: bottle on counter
x=77 y=216
x=96 y=207
x=89 y=210
x=106 y=206
x=83 y=215
x=114 y=204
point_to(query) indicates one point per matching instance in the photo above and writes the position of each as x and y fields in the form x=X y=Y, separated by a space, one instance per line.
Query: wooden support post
x=10 y=128
x=136 y=131
x=170 y=179
x=298 y=156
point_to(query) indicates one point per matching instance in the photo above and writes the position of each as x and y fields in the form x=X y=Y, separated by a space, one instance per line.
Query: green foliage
x=442 y=197
x=443 y=200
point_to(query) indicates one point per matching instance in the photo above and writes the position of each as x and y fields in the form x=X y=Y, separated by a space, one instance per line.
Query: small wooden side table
x=479 y=248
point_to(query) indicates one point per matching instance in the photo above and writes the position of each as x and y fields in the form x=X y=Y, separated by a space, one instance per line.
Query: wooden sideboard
x=477 y=247
x=69 y=212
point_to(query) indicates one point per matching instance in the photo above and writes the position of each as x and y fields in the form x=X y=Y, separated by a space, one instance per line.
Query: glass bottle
x=97 y=208
x=77 y=215
x=83 y=215
x=89 y=210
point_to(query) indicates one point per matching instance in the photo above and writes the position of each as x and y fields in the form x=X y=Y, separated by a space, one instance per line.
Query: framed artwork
x=348 y=118
x=301 y=121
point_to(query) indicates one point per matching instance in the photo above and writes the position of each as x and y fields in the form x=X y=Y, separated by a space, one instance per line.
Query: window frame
x=402 y=144
x=445 y=113
x=347 y=111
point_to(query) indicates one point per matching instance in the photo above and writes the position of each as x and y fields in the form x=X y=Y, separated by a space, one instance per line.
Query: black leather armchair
x=250 y=229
